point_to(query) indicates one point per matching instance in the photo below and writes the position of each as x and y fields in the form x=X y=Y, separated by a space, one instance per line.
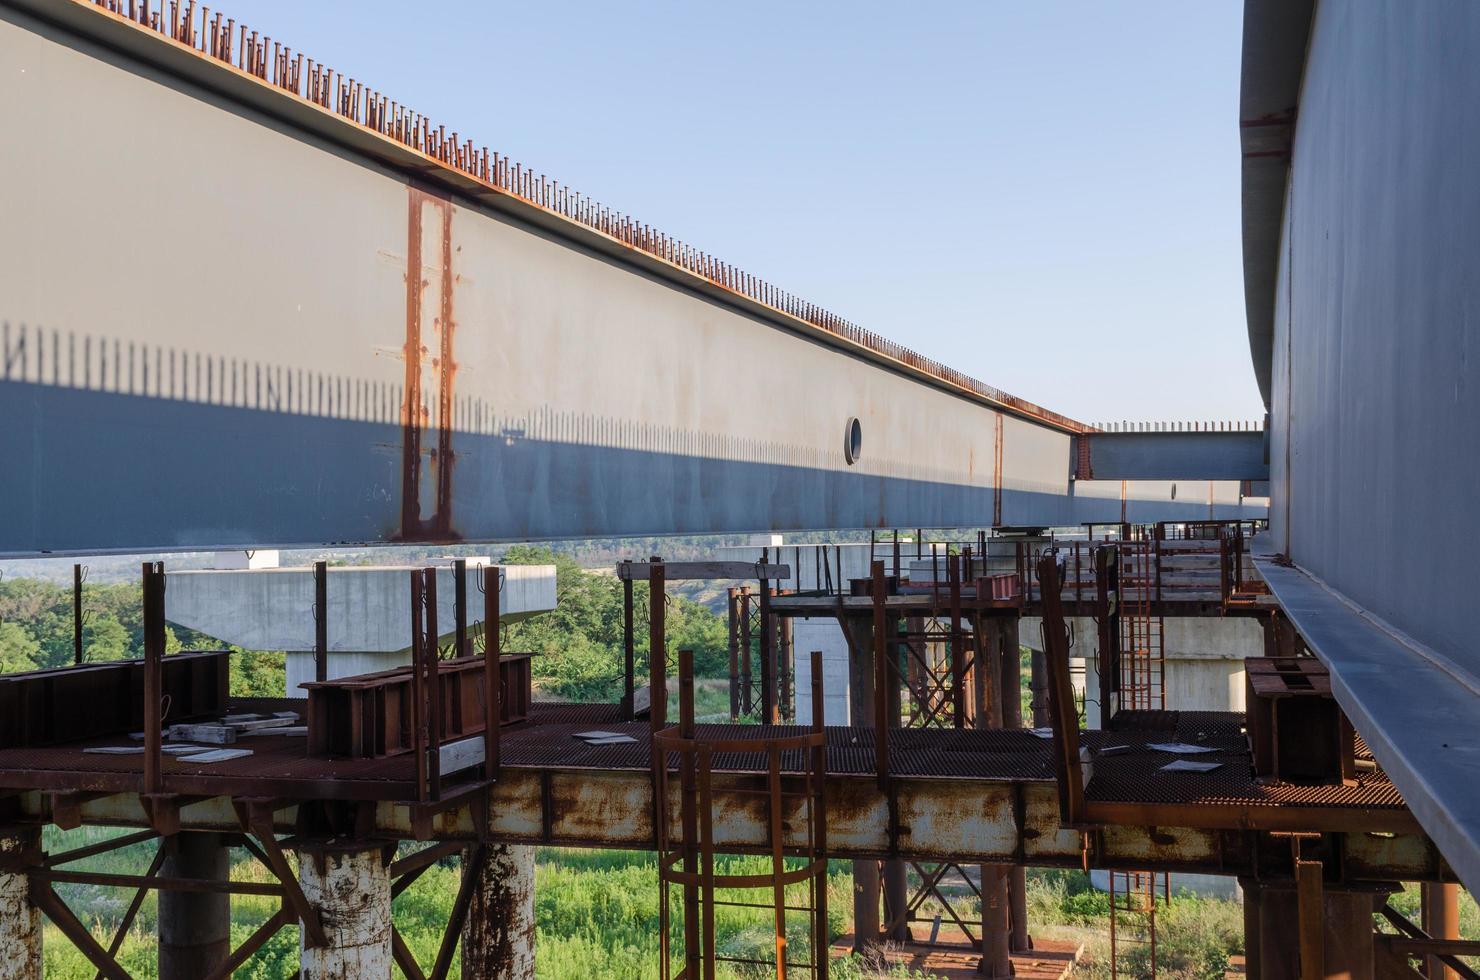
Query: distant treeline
x=579 y=645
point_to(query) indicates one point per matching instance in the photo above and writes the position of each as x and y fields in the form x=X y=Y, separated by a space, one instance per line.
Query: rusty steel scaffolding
x=1133 y=921
x=950 y=664
x=1142 y=688
x=759 y=639
x=796 y=880
x=1142 y=635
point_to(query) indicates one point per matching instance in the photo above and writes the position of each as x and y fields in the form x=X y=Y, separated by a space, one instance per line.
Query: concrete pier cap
x=369 y=609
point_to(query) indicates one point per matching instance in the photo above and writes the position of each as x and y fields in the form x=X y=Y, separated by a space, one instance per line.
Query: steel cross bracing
x=943 y=669
x=256 y=836
x=1142 y=687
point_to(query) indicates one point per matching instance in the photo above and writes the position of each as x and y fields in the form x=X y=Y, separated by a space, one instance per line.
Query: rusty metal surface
x=1135 y=776
x=933 y=820
x=973 y=758
x=368 y=714
x=40 y=707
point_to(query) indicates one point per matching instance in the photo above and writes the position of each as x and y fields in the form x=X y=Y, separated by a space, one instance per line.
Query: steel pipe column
x=20 y=921
x=498 y=936
x=996 y=945
x=1346 y=933
x=1440 y=921
x=1253 y=895
x=896 y=898
x=194 y=927
x=1012 y=717
x=349 y=886
x=996 y=958
x=861 y=712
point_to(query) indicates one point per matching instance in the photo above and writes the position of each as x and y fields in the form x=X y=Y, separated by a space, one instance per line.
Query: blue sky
x=1042 y=194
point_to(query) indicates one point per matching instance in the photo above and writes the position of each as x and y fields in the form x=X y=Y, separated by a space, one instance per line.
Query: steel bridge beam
x=371 y=345
x=965 y=821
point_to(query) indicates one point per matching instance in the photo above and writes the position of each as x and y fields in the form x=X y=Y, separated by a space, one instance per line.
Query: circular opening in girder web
x=853 y=441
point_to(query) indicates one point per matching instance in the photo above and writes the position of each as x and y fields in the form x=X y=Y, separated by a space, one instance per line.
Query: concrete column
x=351 y=889
x=1440 y=921
x=194 y=927
x=498 y=936
x=20 y=921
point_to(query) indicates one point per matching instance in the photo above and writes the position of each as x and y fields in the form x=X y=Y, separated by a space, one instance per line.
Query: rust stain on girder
x=231 y=57
x=416 y=413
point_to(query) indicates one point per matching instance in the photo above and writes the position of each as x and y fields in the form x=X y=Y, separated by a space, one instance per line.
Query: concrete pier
x=498 y=936
x=20 y=921
x=350 y=887
x=194 y=927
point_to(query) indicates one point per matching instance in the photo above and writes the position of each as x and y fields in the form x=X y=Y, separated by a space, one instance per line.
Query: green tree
x=104 y=638
x=18 y=648
x=579 y=644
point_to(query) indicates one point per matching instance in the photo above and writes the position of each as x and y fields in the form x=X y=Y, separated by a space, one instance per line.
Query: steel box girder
x=960 y=820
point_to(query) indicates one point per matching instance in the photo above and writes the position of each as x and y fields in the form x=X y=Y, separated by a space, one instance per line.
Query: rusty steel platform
x=982 y=796
x=279 y=765
x=1134 y=775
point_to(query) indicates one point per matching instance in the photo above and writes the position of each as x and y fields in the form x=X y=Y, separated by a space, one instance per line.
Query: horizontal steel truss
x=966 y=821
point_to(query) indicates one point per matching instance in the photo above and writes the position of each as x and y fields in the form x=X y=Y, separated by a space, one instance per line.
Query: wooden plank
x=673 y=571
x=460 y=755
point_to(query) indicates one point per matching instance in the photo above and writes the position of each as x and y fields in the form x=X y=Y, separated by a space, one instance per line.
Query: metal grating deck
x=546 y=742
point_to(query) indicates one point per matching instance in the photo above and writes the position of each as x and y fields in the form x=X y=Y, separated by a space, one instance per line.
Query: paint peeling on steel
x=351 y=891
x=857 y=827
x=20 y=921
x=499 y=931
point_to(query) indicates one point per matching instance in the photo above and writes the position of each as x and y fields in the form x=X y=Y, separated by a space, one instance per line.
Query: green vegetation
x=579 y=645
x=596 y=911
x=597 y=916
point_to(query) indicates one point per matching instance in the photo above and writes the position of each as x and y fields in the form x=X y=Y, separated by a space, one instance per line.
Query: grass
x=596 y=915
